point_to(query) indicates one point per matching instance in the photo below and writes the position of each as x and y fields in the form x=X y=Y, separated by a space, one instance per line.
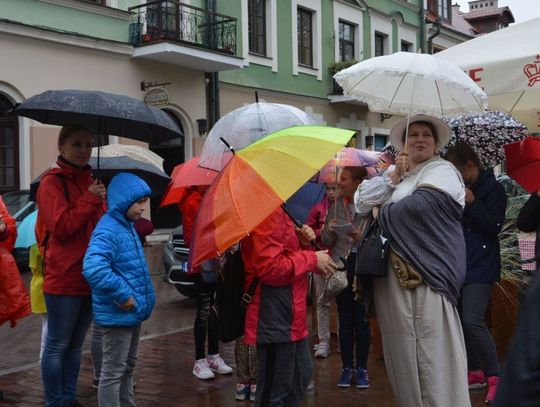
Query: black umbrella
x=110 y=166
x=103 y=113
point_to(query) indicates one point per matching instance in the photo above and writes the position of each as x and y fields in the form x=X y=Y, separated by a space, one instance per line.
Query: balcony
x=183 y=35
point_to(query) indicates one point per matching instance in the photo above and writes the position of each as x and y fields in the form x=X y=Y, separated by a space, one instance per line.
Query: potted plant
x=503 y=309
x=335 y=68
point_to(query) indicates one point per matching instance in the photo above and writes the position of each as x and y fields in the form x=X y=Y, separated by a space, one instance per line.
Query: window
x=9 y=148
x=441 y=8
x=305 y=37
x=379 y=44
x=380 y=141
x=405 y=46
x=257 y=26
x=346 y=41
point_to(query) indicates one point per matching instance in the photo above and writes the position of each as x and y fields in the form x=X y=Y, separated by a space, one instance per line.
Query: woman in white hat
x=421 y=203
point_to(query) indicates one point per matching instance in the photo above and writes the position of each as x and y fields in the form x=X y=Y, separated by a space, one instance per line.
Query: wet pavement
x=166 y=354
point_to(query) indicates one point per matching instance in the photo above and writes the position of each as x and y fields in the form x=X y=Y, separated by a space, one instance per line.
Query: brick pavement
x=164 y=379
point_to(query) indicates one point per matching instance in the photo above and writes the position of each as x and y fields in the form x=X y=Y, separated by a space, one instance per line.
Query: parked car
x=175 y=260
x=20 y=206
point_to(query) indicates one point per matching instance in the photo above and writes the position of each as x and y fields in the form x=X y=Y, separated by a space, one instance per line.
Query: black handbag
x=372 y=252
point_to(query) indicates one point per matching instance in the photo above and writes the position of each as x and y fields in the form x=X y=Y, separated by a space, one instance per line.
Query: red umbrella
x=186 y=175
x=523 y=162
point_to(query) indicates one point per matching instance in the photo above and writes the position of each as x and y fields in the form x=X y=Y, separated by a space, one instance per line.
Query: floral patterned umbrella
x=487 y=133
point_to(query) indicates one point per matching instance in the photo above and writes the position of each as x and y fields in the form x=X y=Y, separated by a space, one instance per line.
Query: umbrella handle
x=299 y=225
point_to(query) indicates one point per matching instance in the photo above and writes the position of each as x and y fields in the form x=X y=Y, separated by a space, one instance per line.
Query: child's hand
x=128 y=305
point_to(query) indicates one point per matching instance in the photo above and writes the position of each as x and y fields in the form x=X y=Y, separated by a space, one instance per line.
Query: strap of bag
x=45 y=243
x=247 y=297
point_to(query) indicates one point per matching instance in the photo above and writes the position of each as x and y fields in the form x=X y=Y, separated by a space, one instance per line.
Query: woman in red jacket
x=70 y=204
x=279 y=257
x=14 y=301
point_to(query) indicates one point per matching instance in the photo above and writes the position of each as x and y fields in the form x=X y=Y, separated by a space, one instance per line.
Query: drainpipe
x=422 y=29
x=212 y=79
x=437 y=32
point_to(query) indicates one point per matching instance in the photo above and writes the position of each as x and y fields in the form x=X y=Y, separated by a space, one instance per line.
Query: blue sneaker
x=346 y=378
x=242 y=391
x=362 y=379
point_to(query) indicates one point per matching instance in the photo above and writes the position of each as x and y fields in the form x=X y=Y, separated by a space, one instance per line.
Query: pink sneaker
x=477 y=380
x=493 y=381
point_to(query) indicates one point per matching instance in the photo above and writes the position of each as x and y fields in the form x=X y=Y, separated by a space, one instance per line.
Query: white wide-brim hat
x=443 y=130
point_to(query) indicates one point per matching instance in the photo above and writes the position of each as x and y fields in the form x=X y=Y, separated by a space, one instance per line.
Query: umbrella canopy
x=103 y=113
x=26 y=234
x=506 y=64
x=523 y=163
x=257 y=180
x=407 y=83
x=487 y=133
x=156 y=179
x=136 y=152
x=374 y=161
x=186 y=175
x=245 y=125
x=300 y=203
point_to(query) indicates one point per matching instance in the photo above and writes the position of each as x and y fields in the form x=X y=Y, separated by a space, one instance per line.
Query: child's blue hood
x=123 y=191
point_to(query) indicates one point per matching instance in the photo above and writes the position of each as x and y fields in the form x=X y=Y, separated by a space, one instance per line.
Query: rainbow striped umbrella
x=257 y=180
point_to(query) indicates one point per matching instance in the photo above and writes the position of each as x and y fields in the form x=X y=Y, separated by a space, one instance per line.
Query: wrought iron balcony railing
x=180 y=23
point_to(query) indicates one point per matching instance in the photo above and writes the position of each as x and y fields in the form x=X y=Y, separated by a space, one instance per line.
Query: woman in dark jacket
x=521 y=377
x=70 y=204
x=485 y=208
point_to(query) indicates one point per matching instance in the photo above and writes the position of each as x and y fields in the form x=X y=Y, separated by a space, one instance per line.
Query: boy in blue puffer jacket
x=122 y=292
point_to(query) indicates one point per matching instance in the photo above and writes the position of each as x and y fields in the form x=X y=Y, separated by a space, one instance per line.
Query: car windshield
x=15 y=200
x=18 y=203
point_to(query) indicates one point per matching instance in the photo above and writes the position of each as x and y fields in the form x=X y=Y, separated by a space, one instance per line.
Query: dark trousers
x=481 y=350
x=205 y=320
x=353 y=324
x=285 y=370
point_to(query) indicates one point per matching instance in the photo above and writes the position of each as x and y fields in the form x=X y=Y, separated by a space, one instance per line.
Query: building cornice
x=458 y=35
x=408 y=5
x=92 y=8
x=62 y=37
x=393 y=16
x=358 y=5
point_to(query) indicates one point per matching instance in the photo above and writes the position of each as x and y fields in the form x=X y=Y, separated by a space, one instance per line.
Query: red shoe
x=477 y=380
x=493 y=381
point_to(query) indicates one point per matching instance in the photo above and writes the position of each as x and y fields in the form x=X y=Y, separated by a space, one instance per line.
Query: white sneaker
x=218 y=365
x=322 y=350
x=201 y=370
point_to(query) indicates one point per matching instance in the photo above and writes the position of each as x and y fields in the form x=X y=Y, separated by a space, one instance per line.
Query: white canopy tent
x=506 y=64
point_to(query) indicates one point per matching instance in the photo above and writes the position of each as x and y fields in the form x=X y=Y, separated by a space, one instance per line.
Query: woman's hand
x=402 y=165
x=331 y=225
x=98 y=189
x=325 y=264
x=306 y=235
x=2 y=224
x=354 y=234
x=128 y=305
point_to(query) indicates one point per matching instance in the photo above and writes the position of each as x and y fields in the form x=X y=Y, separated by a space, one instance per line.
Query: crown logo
x=532 y=71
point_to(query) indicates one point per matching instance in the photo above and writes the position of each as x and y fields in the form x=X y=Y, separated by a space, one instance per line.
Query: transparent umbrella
x=245 y=125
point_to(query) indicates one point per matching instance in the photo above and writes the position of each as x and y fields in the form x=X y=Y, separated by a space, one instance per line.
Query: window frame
x=342 y=41
x=252 y=36
x=299 y=31
x=9 y=122
x=382 y=37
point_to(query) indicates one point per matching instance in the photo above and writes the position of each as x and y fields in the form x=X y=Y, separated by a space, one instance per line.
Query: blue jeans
x=353 y=324
x=69 y=317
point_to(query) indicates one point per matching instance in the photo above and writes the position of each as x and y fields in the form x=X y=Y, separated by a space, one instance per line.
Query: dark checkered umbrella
x=487 y=133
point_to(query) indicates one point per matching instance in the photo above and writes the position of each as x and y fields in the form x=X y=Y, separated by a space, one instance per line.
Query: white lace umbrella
x=137 y=152
x=406 y=83
x=245 y=125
